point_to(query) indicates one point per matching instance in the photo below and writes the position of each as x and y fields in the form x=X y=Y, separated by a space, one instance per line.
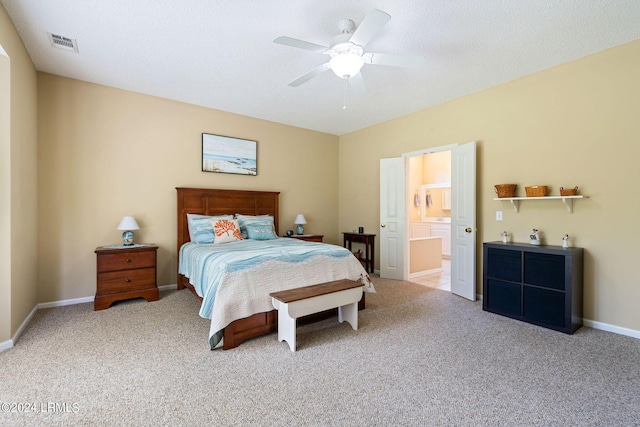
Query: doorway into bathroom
x=429 y=214
x=396 y=196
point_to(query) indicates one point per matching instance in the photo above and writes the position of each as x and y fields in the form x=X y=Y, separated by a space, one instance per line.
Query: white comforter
x=235 y=279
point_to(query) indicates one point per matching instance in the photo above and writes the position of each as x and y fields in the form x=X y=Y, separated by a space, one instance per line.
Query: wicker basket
x=505 y=190
x=568 y=191
x=536 y=191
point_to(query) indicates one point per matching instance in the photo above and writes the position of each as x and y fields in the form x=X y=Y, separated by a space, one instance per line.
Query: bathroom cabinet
x=541 y=285
x=446 y=199
x=443 y=230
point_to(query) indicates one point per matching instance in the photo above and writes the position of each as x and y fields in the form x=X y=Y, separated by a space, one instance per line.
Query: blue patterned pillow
x=261 y=230
x=201 y=229
x=257 y=227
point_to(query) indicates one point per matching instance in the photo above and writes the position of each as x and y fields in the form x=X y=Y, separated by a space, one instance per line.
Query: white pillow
x=200 y=228
x=226 y=230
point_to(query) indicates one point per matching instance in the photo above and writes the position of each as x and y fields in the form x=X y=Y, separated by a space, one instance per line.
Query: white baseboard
x=64 y=302
x=83 y=300
x=424 y=272
x=611 y=328
x=6 y=345
x=10 y=343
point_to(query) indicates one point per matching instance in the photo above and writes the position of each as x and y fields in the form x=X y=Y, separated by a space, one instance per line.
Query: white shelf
x=567 y=200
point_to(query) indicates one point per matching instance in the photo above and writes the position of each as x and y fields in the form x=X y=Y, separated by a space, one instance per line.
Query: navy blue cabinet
x=536 y=284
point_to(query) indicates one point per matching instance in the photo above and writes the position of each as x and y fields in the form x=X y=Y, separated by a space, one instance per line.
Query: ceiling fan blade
x=310 y=74
x=301 y=44
x=369 y=27
x=358 y=85
x=409 y=61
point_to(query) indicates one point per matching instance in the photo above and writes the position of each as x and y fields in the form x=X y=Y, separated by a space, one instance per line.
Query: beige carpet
x=420 y=357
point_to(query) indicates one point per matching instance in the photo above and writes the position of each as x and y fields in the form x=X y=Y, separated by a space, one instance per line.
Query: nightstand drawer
x=355 y=238
x=125 y=281
x=126 y=261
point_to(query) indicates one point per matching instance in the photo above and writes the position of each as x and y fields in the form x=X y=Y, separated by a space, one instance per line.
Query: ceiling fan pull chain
x=344 y=94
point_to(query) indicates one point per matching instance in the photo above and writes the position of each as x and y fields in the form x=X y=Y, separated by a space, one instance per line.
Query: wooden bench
x=294 y=303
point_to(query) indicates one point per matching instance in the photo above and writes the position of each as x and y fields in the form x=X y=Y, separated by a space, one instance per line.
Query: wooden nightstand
x=308 y=237
x=125 y=273
x=369 y=241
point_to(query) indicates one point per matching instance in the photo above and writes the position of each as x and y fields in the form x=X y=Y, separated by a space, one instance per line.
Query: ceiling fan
x=347 y=56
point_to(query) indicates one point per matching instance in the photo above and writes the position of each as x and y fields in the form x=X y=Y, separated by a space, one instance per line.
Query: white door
x=392 y=201
x=463 y=221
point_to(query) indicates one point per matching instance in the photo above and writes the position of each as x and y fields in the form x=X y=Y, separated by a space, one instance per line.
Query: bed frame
x=223 y=202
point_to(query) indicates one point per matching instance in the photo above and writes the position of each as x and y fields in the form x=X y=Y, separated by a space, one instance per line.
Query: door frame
x=407 y=196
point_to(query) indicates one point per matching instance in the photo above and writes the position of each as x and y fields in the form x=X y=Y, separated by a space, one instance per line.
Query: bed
x=249 y=323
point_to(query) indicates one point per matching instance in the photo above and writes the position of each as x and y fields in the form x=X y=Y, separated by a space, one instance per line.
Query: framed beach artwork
x=225 y=154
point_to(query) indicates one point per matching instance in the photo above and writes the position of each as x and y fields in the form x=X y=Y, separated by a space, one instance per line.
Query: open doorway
x=395 y=196
x=429 y=215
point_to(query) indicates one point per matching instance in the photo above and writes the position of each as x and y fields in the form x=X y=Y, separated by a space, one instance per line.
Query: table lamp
x=128 y=224
x=300 y=221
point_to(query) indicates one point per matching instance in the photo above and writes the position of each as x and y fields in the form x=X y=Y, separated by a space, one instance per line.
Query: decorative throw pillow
x=226 y=230
x=247 y=220
x=261 y=230
x=200 y=228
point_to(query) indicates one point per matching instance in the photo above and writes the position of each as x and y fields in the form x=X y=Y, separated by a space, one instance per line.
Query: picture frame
x=226 y=154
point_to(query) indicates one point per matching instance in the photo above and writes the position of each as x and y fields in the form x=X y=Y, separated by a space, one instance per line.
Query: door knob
x=468 y=229
x=383 y=225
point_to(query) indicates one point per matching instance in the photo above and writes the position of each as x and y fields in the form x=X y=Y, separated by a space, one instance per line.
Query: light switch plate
x=498 y=215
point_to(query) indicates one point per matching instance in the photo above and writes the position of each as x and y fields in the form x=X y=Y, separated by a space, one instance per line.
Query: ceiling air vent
x=62 y=42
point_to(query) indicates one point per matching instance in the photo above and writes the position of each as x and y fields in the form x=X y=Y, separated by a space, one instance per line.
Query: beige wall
x=415 y=184
x=18 y=196
x=432 y=168
x=436 y=167
x=575 y=124
x=5 y=198
x=105 y=153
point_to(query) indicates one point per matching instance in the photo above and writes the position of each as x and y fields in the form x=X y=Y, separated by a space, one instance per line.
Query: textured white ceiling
x=220 y=54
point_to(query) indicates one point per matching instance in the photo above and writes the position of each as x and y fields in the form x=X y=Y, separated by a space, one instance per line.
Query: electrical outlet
x=498 y=215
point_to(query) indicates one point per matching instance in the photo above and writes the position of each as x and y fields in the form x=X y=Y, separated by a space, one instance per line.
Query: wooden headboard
x=205 y=201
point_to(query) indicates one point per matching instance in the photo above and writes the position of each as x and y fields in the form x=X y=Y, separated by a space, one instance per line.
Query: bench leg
x=349 y=313
x=286 y=327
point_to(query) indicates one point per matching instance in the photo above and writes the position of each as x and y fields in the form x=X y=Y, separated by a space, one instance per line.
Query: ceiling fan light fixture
x=346 y=65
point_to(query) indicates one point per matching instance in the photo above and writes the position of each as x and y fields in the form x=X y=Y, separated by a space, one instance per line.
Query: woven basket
x=568 y=191
x=505 y=190
x=536 y=191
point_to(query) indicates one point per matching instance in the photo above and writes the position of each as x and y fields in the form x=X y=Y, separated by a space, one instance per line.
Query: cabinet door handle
x=127 y=280
x=383 y=225
x=468 y=230
x=128 y=260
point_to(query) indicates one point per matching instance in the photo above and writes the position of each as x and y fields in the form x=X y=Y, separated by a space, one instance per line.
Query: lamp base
x=300 y=229
x=127 y=238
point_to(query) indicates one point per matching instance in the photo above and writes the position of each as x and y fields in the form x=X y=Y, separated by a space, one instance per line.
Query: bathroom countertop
x=445 y=220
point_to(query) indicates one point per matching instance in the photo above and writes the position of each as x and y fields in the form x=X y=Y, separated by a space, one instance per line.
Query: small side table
x=308 y=237
x=369 y=241
x=124 y=273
